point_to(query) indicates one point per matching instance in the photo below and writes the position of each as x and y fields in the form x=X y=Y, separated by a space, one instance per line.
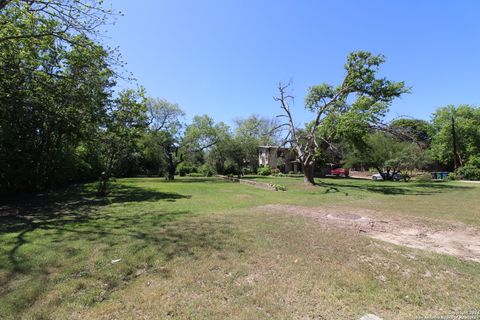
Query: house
x=280 y=158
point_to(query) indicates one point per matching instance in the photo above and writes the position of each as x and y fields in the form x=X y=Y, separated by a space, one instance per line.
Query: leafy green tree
x=124 y=125
x=416 y=130
x=237 y=152
x=388 y=155
x=52 y=100
x=199 y=137
x=220 y=155
x=152 y=160
x=163 y=115
x=178 y=142
x=361 y=100
x=250 y=133
x=456 y=135
x=165 y=129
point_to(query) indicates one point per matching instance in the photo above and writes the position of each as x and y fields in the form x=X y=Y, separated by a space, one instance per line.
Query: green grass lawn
x=197 y=249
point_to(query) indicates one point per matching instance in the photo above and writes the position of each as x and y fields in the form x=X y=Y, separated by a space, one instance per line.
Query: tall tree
x=52 y=99
x=199 y=136
x=389 y=155
x=165 y=123
x=371 y=97
x=249 y=134
x=456 y=135
x=415 y=130
x=125 y=122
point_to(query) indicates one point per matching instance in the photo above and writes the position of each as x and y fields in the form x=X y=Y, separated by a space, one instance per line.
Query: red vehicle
x=339 y=172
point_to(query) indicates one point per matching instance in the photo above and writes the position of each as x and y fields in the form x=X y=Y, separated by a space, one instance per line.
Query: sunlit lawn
x=196 y=248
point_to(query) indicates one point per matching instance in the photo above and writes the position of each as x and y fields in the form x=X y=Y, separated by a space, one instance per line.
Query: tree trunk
x=456 y=157
x=171 y=168
x=308 y=174
x=171 y=165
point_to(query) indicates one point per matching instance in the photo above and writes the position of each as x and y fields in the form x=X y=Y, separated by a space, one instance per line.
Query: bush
x=207 y=170
x=195 y=175
x=278 y=187
x=249 y=170
x=468 y=172
x=184 y=168
x=372 y=170
x=264 y=171
x=452 y=176
x=275 y=171
x=230 y=170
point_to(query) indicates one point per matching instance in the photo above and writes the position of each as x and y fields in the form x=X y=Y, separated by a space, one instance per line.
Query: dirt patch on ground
x=453 y=238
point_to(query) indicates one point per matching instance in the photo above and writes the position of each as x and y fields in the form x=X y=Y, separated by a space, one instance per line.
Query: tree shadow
x=79 y=199
x=129 y=239
x=197 y=180
x=71 y=223
x=121 y=193
x=183 y=180
x=75 y=206
x=420 y=189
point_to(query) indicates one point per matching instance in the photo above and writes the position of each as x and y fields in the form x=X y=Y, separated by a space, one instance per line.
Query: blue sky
x=225 y=58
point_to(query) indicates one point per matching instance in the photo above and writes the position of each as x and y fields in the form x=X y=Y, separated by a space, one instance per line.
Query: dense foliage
x=54 y=96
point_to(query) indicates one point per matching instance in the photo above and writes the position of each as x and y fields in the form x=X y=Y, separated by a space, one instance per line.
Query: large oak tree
x=359 y=102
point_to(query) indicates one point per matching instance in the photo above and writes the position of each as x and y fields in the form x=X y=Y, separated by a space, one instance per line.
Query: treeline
x=62 y=122
x=62 y=119
x=449 y=142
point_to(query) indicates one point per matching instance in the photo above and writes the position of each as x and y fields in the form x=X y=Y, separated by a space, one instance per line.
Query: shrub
x=469 y=172
x=230 y=170
x=207 y=170
x=182 y=171
x=249 y=170
x=452 y=176
x=195 y=175
x=184 y=168
x=275 y=171
x=278 y=187
x=264 y=171
x=372 y=170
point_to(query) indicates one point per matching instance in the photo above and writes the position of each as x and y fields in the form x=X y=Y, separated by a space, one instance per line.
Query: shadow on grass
x=181 y=180
x=200 y=179
x=74 y=209
x=63 y=229
x=402 y=188
x=77 y=247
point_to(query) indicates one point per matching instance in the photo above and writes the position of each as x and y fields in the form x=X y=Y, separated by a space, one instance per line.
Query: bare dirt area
x=451 y=238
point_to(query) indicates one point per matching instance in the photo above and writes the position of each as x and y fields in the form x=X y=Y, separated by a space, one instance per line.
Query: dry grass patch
x=453 y=238
x=276 y=266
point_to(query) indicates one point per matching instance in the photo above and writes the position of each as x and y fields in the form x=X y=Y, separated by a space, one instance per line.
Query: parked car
x=396 y=176
x=340 y=172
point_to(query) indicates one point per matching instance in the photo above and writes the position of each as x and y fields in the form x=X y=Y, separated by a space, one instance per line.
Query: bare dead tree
x=305 y=143
x=372 y=97
x=73 y=17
